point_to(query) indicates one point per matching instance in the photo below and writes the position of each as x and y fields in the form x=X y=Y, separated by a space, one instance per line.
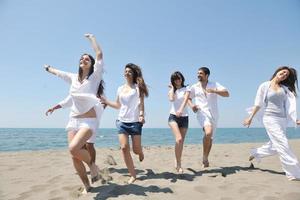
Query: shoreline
x=49 y=174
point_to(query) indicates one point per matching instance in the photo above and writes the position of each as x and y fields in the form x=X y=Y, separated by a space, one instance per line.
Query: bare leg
x=137 y=146
x=78 y=165
x=91 y=149
x=179 y=134
x=77 y=150
x=207 y=143
x=125 y=148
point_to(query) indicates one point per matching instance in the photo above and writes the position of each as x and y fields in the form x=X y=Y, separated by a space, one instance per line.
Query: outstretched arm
x=95 y=45
x=67 y=102
x=114 y=104
x=64 y=75
x=51 y=110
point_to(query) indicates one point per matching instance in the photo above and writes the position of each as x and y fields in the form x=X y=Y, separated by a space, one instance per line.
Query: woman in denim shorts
x=178 y=119
x=130 y=101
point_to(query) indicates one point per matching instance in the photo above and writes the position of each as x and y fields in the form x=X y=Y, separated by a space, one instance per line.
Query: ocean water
x=30 y=139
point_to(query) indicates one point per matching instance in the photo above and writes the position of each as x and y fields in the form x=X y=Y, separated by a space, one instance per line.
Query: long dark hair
x=177 y=75
x=291 y=82
x=138 y=79
x=100 y=90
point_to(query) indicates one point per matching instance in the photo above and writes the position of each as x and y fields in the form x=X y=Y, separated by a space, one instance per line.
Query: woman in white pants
x=276 y=100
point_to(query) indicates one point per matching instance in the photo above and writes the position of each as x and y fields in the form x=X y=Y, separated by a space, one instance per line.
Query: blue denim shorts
x=131 y=128
x=182 y=122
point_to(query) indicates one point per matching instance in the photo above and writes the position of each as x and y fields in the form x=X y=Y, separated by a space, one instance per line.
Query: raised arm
x=95 y=45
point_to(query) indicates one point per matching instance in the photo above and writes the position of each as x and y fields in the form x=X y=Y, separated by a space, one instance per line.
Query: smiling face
x=85 y=62
x=282 y=75
x=178 y=82
x=128 y=74
x=202 y=77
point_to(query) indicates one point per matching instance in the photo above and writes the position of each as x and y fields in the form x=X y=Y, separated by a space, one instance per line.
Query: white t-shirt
x=130 y=101
x=178 y=99
x=208 y=103
x=83 y=94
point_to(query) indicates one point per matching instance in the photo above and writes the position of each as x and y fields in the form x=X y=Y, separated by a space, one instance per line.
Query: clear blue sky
x=242 y=42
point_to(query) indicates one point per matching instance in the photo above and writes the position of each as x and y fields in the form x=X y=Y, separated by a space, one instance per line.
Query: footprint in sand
x=201 y=189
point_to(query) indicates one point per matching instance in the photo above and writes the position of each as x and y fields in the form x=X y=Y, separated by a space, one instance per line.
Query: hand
x=50 y=111
x=195 y=108
x=89 y=35
x=178 y=113
x=247 y=122
x=170 y=86
x=298 y=122
x=211 y=90
x=46 y=67
x=103 y=100
x=142 y=119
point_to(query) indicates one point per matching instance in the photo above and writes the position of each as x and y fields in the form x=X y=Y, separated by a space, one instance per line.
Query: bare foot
x=205 y=163
x=131 y=180
x=95 y=175
x=84 y=190
x=179 y=170
x=141 y=157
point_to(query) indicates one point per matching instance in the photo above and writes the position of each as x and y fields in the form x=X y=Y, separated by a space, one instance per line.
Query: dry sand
x=50 y=175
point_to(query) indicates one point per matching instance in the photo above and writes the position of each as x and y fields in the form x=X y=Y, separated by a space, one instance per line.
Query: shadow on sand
x=115 y=190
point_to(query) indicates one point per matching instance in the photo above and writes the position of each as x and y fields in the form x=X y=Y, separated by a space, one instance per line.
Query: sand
x=50 y=175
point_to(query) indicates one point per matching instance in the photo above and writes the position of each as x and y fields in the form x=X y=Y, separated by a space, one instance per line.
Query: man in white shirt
x=205 y=105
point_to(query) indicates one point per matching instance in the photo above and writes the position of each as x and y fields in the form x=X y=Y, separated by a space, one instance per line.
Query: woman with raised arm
x=179 y=117
x=84 y=111
x=130 y=101
x=276 y=99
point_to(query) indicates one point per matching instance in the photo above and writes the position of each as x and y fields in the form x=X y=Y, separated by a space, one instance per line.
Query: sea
x=33 y=139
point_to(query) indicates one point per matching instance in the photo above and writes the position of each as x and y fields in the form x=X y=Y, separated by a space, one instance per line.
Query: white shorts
x=206 y=121
x=75 y=124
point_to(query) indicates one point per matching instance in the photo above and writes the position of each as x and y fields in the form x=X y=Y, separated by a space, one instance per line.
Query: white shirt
x=83 y=95
x=130 y=101
x=208 y=103
x=178 y=99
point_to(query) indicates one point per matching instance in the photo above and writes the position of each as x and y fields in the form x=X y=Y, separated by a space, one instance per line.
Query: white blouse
x=83 y=95
x=260 y=100
x=178 y=99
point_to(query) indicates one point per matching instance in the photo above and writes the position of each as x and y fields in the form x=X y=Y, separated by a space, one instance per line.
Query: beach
x=49 y=174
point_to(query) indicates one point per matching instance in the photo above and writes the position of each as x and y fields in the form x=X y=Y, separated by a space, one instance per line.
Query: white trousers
x=278 y=144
